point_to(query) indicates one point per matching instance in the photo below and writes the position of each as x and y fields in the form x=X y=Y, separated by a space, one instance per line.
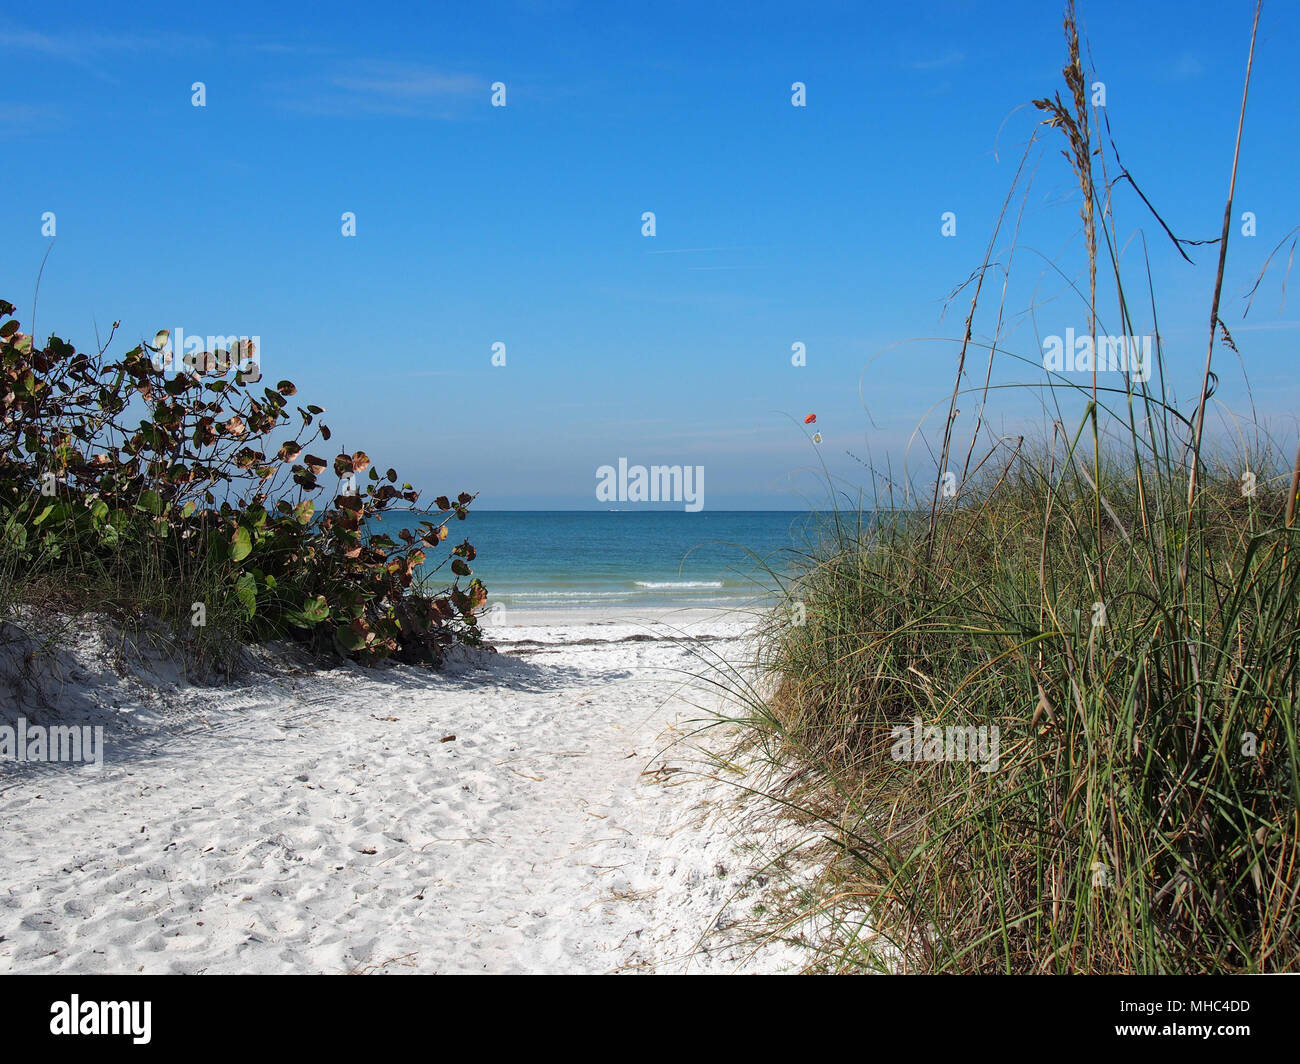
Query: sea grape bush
x=100 y=457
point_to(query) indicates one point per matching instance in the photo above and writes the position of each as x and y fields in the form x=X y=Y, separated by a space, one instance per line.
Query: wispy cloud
x=17 y=120
x=70 y=46
x=939 y=61
x=286 y=48
x=408 y=84
x=87 y=45
x=91 y=49
x=1185 y=67
x=388 y=88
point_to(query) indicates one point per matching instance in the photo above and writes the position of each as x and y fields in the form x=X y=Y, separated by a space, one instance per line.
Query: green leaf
x=150 y=502
x=246 y=592
x=348 y=638
x=15 y=534
x=240 y=545
x=460 y=568
x=315 y=610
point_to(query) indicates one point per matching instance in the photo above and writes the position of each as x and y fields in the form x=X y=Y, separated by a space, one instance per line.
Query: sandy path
x=291 y=826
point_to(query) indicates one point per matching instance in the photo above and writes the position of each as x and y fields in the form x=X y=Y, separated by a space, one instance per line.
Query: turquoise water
x=548 y=560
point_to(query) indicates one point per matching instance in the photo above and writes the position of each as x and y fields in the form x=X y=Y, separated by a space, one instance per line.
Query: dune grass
x=1121 y=605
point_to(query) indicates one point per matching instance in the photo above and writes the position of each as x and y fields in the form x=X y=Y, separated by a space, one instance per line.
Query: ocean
x=586 y=559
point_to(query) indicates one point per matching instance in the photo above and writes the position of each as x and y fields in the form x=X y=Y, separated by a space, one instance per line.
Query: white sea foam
x=677 y=583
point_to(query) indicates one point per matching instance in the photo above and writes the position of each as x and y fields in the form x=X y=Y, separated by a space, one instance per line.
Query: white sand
x=307 y=821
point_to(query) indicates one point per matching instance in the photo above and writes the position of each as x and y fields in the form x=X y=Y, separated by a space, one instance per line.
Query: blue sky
x=522 y=224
